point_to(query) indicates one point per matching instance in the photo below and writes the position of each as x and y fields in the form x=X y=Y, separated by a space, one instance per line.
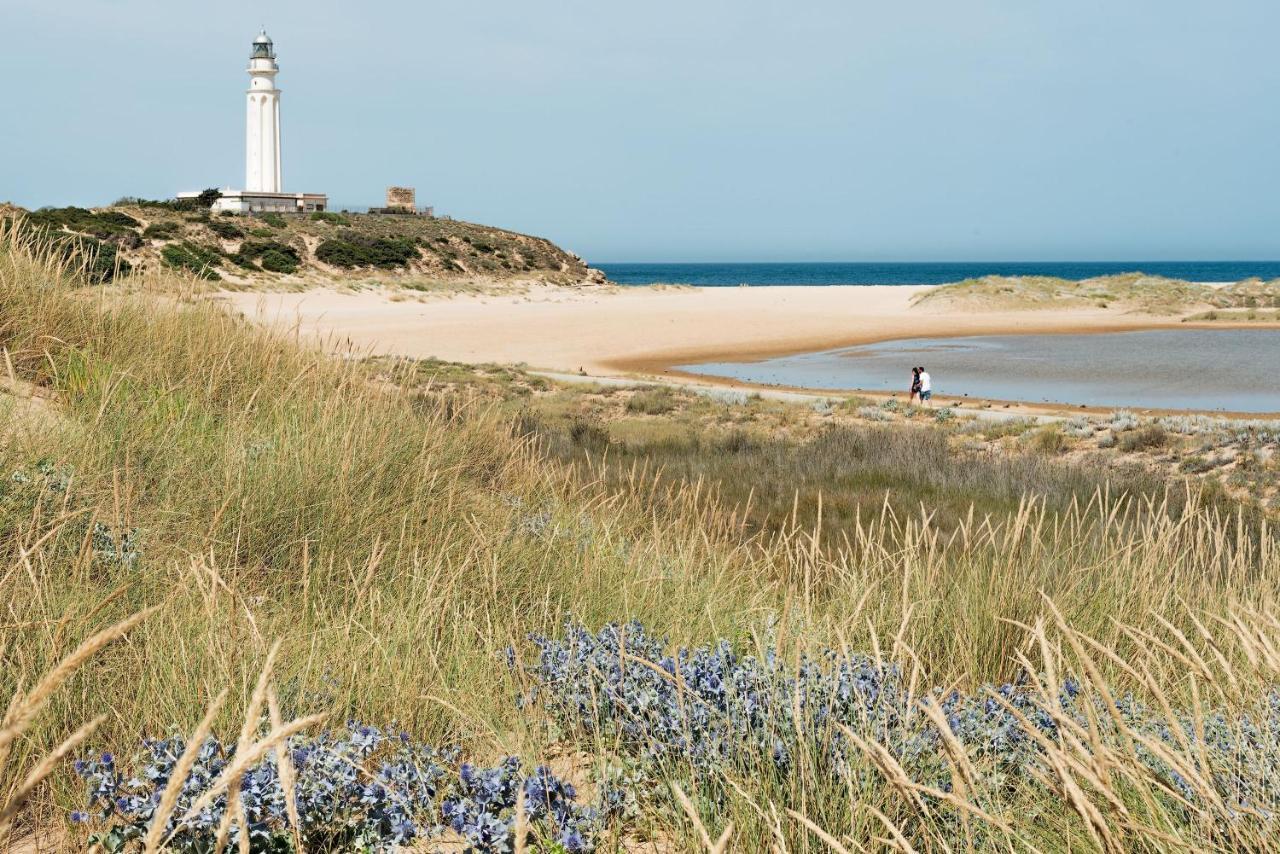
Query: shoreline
x=643 y=333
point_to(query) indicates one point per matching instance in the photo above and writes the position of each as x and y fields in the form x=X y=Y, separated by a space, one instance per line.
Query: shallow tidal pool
x=1234 y=370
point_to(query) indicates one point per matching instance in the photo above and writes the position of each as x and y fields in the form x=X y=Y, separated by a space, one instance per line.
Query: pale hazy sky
x=689 y=129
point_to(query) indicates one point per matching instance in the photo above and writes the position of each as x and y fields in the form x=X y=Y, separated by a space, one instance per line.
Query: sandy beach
x=643 y=331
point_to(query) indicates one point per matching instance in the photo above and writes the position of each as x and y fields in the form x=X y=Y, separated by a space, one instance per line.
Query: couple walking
x=921 y=386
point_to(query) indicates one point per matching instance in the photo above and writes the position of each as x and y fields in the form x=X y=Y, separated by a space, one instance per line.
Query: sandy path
x=640 y=330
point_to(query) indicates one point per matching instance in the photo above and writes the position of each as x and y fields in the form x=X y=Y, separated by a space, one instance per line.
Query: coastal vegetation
x=1136 y=292
x=392 y=602
x=296 y=250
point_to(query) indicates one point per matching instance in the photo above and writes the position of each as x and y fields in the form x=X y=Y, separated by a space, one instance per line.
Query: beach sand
x=643 y=331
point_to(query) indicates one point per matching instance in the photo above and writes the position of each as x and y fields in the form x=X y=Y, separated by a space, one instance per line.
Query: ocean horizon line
x=795 y=273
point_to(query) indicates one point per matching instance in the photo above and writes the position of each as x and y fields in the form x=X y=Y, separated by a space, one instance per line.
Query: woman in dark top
x=915 y=385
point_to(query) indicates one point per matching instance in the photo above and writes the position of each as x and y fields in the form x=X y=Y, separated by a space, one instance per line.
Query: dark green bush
x=225 y=230
x=279 y=262
x=264 y=233
x=101 y=258
x=258 y=248
x=204 y=201
x=353 y=250
x=161 y=231
x=101 y=224
x=329 y=216
x=191 y=257
x=273 y=219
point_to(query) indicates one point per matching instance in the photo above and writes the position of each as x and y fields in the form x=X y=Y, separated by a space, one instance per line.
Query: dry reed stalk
x=241 y=763
x=22 y=711
x=288 y=779
x=520 y=821
x=43 y=769
x=832 y=843
x=178 y=777
x=721 y=843
x=896 y=837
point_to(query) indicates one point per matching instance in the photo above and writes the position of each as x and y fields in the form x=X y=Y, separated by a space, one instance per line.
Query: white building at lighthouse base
x=255 y=201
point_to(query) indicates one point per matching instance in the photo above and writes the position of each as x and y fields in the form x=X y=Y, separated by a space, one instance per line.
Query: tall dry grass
x=392 y=544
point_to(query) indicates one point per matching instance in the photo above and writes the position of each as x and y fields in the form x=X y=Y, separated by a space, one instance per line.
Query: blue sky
x=690 y=130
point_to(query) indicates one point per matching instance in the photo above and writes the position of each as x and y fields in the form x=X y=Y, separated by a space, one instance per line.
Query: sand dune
x=615 y=331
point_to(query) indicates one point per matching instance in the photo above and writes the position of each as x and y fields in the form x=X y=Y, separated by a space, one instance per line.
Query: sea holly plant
x=362 y=789
x=652 y=715
x=713 y=712
x=44 y=482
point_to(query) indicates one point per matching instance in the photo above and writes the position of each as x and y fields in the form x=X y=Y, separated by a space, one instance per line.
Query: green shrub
x=202 y=202
x=262 y=232
x=273 y=219
x=101 y=258
x=258 y=248
x=225 y=230
x=328 y=216
x=354 y=250
x=191 y=257
x=100 y=224
x=161 y=231
x=279 y=262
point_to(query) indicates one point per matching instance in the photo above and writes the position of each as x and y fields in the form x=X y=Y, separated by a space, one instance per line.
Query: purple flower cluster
x=361 y=789
x=722 y=711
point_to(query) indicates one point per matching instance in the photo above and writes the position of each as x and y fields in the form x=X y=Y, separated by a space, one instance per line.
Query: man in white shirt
x=926 y=388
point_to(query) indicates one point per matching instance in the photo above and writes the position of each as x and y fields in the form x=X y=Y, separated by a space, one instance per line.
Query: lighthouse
x=263 y=186
x=262 y=120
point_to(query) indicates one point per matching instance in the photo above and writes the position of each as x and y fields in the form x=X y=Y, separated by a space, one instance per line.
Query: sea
x=931 y=273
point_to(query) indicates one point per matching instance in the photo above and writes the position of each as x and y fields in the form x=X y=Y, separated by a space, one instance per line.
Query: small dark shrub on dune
x=351 y=250
x=279 y=262
x=165 y=230
x=273 y=219
x=329 y=216
x=1143 y=439
x=192 y=258
x=100 y=224
x=100 y=258
x=225 y=230
x=275 y=257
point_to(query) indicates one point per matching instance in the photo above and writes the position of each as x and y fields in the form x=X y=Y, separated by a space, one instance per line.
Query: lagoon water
x=1206 y=369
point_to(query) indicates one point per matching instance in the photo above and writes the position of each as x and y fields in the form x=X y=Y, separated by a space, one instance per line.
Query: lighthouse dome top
x=262 y=45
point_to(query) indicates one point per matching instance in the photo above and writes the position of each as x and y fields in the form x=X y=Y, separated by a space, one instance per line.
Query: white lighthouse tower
x=262 y=121
x=263 y=188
